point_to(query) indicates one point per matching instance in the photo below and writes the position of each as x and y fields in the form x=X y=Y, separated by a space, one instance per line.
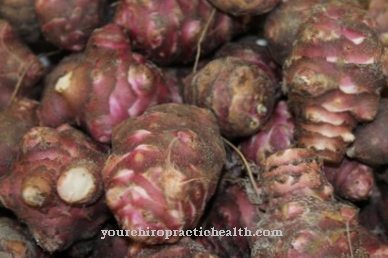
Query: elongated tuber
x=334 y=77
x=313 y=223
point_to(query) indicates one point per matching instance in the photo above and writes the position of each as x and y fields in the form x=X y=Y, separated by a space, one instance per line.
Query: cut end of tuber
x=63 y=82
x=76 y=185
x=35 y=191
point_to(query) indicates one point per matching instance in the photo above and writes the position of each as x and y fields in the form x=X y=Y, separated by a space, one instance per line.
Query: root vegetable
x=231 y=210
x=18 y=61
x=245 y=7
x=15 y=241
x=371 y=145
x=276 y=135
x=334 y=77
x=55 y=186
x=163 y=169
x=22 y=17
x=169 y=33
x=68 y=24
x=282 y=24
x=378 y=9
x=313 y=223
x=103 y=86
x=351 y=180
x=247 y=49
x=239 y=92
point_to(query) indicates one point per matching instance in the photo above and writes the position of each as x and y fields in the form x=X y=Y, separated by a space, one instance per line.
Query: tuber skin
x=247 y=49
x=245 y=7
x=371 y=143
x=351 y=179
x=17 y=60
x=378 y=9
x=103 y=86
x=282 y=24
x=55 y=186
x=68 y=24
x=15 y=241
x=239 y=92
x=164 y=167
x=276 y=135
x=15 y=121
x=301 y=204
x=22 y=17
x=333 y=77
x=231 y=209
x=169 y=33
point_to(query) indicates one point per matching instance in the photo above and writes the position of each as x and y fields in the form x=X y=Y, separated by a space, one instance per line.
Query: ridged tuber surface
x=168 y=32
x=239 y=92
x=351 y=179
x=230 y=211
x=17 y=59
x=371 y=143
x=15 y=241
x=276 y=135
x=55 y=186
x=313 y=223
x=22 y=17
x=103 y=86
x=245 y=7
x=333 y=77
x=185 y=248
x=378 y=9
x=164 y=167
x=282 y=24
x=15 y=121
x=69 y=23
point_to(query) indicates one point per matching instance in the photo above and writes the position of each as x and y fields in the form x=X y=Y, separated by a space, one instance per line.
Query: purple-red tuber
x=164 y=167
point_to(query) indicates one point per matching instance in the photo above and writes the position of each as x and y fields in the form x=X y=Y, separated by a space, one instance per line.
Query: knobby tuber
x=69 y=23
x=301 y=204
x=103 y=86
x=164 y=167
x=168 y=32
x=55 y=186
x=333 y=77
x=239 y=92
x=351 y=179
